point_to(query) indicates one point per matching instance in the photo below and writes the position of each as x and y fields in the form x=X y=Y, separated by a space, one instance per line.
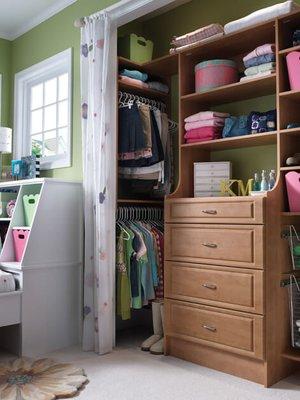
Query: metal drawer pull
x=211 y=286
x=212 y=212
x=209 y=328
x=211 y=245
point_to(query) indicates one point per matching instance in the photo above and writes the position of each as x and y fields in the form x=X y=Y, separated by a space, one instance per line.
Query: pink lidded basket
x=20 y=236
x=293 y=64
x=214 y=73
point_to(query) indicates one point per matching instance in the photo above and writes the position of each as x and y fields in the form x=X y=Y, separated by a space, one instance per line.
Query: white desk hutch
x=43 y=314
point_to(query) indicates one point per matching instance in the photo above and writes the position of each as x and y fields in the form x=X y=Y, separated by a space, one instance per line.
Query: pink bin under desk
x=20 y=236
x=293 y=64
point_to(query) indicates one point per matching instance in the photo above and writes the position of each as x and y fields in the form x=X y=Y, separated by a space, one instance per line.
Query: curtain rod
x=80 y=22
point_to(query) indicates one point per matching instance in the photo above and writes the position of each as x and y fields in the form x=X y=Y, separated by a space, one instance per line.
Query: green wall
x=5 y=70
x=55 y=35
x=195 y=14
x=58 y=34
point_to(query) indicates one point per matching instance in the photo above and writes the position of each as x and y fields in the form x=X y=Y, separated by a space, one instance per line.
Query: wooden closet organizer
x=224 y=306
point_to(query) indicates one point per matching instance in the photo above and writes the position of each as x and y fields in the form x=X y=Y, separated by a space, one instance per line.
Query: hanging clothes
x=144 y=148
x=139 y=260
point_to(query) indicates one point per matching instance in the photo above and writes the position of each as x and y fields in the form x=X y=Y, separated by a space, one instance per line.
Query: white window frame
x=58 y=64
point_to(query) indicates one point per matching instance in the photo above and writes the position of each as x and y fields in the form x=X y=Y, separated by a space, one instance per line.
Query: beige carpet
x=130 y=374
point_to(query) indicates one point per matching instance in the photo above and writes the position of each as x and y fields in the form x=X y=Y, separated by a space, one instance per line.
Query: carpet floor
x=128 y=373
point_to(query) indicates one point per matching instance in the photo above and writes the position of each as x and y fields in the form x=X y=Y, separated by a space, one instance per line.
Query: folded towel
x=259 y=75
x=132 y=81
x=205 y=132
x=141 y=76
x=161 y=87
x=188 y=46
x=264 y=14
x=260 y=68
x=205 y=115
x=197 y=35
x=216 y=121
x=265 y=58
x=268 y=48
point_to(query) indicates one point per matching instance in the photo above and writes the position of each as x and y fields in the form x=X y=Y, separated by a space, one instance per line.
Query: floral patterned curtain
x=99 y=183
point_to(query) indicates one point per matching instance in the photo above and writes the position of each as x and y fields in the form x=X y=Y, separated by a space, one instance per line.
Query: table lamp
x=5 y=144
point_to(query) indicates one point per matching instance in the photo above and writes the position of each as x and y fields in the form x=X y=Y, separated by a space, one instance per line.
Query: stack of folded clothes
x=260 y=62
x=183 y=42
x=141 y=79
x=203 y=126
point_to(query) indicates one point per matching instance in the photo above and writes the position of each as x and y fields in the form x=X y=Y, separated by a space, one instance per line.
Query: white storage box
x=208 y=177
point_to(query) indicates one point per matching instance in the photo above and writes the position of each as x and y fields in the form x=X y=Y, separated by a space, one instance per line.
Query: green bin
x=29 y=203
x=135 y=48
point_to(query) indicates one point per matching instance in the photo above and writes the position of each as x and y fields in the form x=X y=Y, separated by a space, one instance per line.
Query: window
x=43 y=111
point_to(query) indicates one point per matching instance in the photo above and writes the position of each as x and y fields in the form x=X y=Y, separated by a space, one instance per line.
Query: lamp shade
x=5 y=140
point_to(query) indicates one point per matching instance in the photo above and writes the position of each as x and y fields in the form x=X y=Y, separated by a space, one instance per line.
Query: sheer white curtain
x=99 y=181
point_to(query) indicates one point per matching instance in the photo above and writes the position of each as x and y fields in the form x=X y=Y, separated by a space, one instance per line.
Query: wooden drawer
x=239 y=289
x=10 y=308
x=232 y=245
x=246 y=210
x=227 y=330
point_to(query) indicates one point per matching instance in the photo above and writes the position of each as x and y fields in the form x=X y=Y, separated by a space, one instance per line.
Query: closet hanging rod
x=126 y=98
x=139 y=213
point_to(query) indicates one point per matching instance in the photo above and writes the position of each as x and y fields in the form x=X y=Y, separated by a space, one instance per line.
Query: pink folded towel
x=204 y=115
x=131 y=81
x=219 y=122
x=202 y=134
x=267 y=48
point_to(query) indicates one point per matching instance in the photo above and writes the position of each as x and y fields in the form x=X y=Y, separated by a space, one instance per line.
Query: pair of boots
x=155 y=343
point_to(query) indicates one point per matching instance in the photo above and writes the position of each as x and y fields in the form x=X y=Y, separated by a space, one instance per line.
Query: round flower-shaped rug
x=45 y=379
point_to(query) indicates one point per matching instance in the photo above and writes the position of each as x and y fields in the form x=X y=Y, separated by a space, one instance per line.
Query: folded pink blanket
x=203 y=133
x=219 y=122
x=204 y=115
x=199 y=34
x=267 y=48
x=175 y=50
x=132 y=81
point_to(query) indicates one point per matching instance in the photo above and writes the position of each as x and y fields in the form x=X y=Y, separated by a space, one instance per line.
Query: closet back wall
x=191 y=16
x=58 y=33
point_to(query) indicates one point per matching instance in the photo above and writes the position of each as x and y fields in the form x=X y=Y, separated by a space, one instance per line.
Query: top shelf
x=161 y=67
x=255 y=87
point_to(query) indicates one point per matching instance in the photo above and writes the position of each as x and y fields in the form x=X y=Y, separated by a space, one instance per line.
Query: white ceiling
x=19 y=16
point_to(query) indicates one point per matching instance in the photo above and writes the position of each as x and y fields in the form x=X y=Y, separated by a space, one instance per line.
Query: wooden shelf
x=154 y=94
x=293 y=131
x=255 y=87
x=290 y=95
x=290 y=214
x=295 y=168
x=136 y=201
x=259 y=139
x=163 y=66
x=293 y=355
x=232 y=44
x=289 y=50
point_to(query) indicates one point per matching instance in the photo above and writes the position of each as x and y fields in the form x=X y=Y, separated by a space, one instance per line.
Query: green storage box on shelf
x=135 y=48
x=29 y=203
